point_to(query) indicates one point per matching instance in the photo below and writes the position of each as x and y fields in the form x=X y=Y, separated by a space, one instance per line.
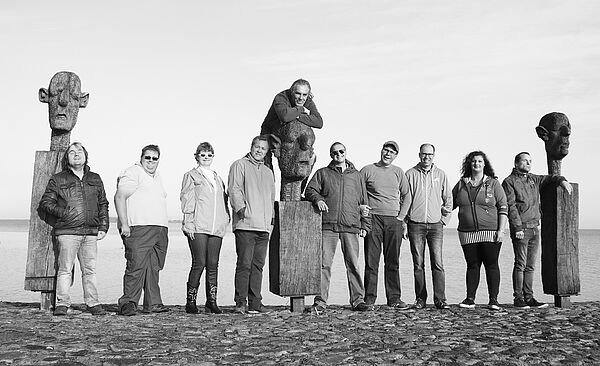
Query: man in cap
x=389 y=200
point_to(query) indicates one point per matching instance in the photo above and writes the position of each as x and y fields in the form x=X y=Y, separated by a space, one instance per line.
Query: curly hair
x=466 y=170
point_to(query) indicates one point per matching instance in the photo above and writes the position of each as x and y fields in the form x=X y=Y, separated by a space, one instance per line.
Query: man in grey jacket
x=522 y=190
x=251 y=194
x=338 y=190
x=429 y=211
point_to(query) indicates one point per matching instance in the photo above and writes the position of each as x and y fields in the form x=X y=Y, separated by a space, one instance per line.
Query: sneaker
x=442 y=305
x=493 y=304
x=96 y=310
x=61 y=310
x=260 y=309
x=240 y=308
x=536 y=304
x=128 y=309
x=399 y=304
x=520 y=303
x=156 y=308
x=419 y=304
x=319 y=308
x=362 y=307
x=467 y=303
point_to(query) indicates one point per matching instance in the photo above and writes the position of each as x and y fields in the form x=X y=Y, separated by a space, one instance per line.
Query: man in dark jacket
x=293 y=104
x=523 y=196
x=76 y=198
x=338 y=191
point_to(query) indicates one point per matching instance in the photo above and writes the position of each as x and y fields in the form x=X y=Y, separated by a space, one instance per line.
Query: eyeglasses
x=209 y=155
x=153 y=158
x=338 y=152
x=389 y=151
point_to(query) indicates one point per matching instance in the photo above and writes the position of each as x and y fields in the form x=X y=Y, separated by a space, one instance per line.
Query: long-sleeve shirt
x=284 y=110
x=430 y=192
x=388 y=191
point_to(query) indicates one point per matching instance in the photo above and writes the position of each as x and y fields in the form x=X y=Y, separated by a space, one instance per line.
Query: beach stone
x=338 y=336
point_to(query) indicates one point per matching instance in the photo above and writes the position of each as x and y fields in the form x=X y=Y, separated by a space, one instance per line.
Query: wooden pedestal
x=42 y=250
x=295 y=252
x=560 y=243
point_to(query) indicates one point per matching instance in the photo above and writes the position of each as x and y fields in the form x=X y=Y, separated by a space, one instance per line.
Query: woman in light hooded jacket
x=205 y=218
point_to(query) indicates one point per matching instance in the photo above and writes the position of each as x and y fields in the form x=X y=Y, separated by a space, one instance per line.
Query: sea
x=173 y=278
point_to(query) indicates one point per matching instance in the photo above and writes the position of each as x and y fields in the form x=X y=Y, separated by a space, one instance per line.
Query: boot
x=190 y=304
x=211 y=301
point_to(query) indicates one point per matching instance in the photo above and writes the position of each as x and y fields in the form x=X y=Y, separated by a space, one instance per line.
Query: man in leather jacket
x=76 y=199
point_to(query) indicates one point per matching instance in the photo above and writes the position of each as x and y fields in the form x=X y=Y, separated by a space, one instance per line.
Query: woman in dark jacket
x=78 y=208
x=482 y=217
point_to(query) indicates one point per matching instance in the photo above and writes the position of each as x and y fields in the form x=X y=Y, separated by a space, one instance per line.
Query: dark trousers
x=251 y=248
x=205 y=250
x=145 y=252
x=386 y=234
x=476 y=254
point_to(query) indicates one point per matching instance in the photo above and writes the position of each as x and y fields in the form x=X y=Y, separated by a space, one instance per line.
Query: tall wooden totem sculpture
x=560 y=216
x=64 y=98
x=295 y=244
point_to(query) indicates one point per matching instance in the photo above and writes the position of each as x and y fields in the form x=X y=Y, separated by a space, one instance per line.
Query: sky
x=463 y=75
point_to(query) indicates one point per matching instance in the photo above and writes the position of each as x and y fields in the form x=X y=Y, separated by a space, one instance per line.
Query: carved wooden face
x=296 y=155
x=64 y=99
x=557 y=145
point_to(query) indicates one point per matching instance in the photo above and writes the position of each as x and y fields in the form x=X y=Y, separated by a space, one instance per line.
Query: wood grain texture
x=560 y=241
x=41 y=267
x=295 y=250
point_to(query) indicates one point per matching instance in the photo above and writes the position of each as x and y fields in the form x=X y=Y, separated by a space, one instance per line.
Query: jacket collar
x=349 y=166
x=253 y=161
x=516 y=172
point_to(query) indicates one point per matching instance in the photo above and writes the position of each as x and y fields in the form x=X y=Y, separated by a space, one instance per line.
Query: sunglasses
x=153 y=158
x=209 y=155
x=338 y=152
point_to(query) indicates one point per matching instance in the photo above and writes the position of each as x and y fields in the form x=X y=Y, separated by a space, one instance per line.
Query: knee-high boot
x=190 y=304
x=211 y=300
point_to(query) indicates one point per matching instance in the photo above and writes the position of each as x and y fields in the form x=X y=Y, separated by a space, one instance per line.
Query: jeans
x=251 y=248
x=350 y=250
x=526 y=251
x=145 y=251
x=476 y=254
x=386 y=234
x=432 y=235
x=85 y=249
x=205 y=250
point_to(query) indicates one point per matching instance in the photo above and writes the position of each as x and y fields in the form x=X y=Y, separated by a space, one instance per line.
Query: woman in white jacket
x=205 y=218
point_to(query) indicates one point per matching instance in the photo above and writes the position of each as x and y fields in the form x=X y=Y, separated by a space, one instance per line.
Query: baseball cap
x=392 y=144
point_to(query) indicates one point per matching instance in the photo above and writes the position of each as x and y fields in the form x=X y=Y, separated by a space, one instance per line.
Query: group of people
x=380 y=203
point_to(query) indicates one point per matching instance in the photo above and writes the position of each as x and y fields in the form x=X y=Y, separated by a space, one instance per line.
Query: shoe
x=61 y=310
x=467 y=303
x=493 y=304
x=156 y=308
x=370 y=302
x=362 y=307
x=419 y=304
x=240 y=308
x=520 y=303
x=442 y=305
x=96 y=310
x=211 y=301
x=128 y=309
x=536 y=304
x=400 y=305
x=260 y=309
x=190 y=300
x=319 y=308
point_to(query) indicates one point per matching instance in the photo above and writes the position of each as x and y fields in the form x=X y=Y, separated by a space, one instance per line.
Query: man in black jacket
x=339 y=191
x=77 y=200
